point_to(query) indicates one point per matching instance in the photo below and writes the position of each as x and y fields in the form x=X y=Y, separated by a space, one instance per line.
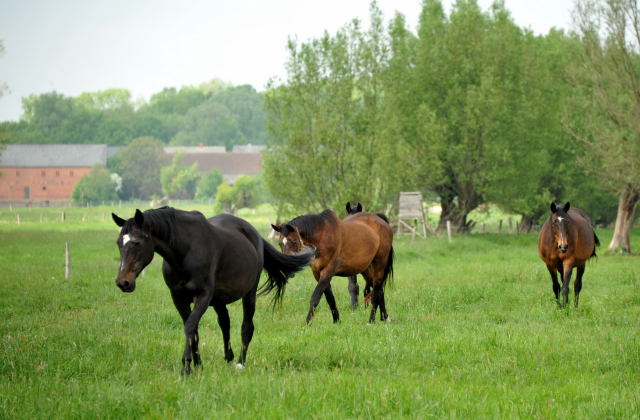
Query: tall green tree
x=608 y=102
x=178 y=180
x=327 y=122
x=139 y=166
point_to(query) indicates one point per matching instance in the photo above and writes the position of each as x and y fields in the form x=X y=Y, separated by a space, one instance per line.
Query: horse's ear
x=348 y=207
x=276 y=228
x=359 y=207
x=566 y=207
x=139 y=218
x=553 y=207
x=290 y=228
x=119 y=220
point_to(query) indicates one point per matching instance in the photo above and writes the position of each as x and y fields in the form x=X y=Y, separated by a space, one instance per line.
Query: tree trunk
x=527 y=223
x=624 y=220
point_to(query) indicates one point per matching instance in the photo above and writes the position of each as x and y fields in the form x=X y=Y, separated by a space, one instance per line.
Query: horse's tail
x=280 y=268
x=388 y=269
x=597 y=243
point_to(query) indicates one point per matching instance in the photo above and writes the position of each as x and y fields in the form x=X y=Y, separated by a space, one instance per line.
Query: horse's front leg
x=553 y=272
x=191 y=332
x=566 y=279
x=331 y=300
x=323 y=280
x=225 y=325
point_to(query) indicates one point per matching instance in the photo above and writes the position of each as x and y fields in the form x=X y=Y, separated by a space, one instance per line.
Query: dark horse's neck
x=161 y=224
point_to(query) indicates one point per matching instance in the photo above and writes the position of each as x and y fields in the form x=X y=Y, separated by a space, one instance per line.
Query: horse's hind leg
x=225 y=325
x=577 y=286
x=248 y=309
x=354 y=290
x=375 y=301
x=383 y=309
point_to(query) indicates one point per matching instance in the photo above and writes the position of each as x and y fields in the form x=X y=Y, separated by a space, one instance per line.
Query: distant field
x=475 y=334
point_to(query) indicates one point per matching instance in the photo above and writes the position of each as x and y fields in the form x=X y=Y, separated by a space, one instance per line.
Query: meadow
x=475 y=333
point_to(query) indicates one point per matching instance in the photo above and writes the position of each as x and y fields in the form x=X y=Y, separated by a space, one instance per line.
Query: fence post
x=67 y=261
x=18 y=218
x=449 y=230
x=62 y=217
x=500 y=226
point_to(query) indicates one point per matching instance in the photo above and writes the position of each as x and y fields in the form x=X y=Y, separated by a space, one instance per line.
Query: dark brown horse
x=206 y=262
x=362 y=243
x=567 y=240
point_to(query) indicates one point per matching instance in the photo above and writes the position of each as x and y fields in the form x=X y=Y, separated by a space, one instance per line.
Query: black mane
x=308 y=223
x=158 y=222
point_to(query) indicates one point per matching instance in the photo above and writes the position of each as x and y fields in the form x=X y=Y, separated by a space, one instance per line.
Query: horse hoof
x=389 y=319
x=239 y=366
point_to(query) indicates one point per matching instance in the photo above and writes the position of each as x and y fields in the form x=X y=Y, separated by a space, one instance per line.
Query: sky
x=76 y=46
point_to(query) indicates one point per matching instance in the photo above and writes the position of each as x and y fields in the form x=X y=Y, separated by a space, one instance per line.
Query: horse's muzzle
x=563 y=249
x=126 y=285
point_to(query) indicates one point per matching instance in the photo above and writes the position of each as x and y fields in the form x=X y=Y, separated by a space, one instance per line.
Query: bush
x=95 y=187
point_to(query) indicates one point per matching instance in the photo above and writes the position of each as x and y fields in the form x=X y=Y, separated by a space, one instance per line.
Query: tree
x=246 y=192
x=178 y=180
x=208 y=185
x=139 y=166
x=210 y=124
x=328 y=123
x=95 y=187
x=607 y=121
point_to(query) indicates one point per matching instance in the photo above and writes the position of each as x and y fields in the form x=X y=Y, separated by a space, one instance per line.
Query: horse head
x=353 y=210
x=290 y=240
x=136 y=250
x=560 y=223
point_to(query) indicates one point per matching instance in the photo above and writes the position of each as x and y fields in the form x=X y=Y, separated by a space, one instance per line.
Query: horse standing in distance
x=567 y=240
x=362 y=243
x=206 y=262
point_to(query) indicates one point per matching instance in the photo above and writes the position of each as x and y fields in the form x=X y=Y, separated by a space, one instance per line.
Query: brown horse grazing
x=567 y=240
x=362 y=243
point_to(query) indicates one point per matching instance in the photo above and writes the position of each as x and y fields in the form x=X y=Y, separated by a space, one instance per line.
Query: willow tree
x=472 y=110
x=331 y=138
x=608 y=81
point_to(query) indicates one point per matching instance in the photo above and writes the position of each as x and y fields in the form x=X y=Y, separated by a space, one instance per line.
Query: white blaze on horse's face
x=125 y=238
x=284 y=241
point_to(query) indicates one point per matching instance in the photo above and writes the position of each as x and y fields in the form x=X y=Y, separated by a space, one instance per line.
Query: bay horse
x=362 y=243
x=206 y=262
x=353 y=282
x=567 y=240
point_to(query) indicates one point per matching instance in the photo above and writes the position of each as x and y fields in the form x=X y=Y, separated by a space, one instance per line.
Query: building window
x=57 y=173
x=43 y=173
x=44 y=188
x=17 y=173
x=70 y=173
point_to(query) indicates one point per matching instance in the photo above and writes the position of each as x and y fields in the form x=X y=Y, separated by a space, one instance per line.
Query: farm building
x=40 y=173
x=231 y=164
x=46 y=172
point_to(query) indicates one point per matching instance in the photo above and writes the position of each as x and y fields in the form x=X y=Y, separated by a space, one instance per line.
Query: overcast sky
x=146 y=45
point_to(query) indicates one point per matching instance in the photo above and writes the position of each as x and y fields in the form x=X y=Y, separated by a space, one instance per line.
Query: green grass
x=475 y=333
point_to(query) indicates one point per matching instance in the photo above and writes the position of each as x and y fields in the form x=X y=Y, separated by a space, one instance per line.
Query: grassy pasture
x=475 y=334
